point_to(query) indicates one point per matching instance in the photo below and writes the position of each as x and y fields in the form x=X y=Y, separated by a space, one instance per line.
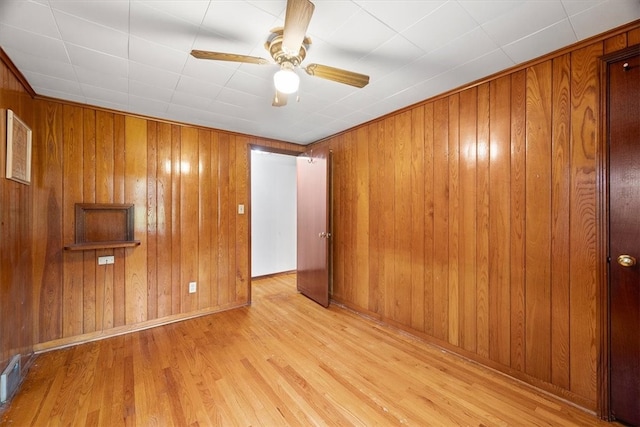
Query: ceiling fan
x=288 y=48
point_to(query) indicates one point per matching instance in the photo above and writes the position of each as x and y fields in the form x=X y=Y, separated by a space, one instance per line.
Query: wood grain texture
x=185 y=194
x=376 y=195
x=348 y=198
x=538 y=222
x=22 y=281
x=453 y=256
x=206 y=219
x=176 y=208
x=48 y=268
x=362 y=215
x=508 y=204
x=214 y=207
x=483 y=198
x=429 y=230
x=163 y=184
x=104 y=193
x=152 y=220
x=189 y=212
x=72 y=285
x=441 y=219
x=584 y=104
x=222 y=262
x=338 y=177
x=615 y=43
x=388 y=218
x=633 y=37
x=499 y=218
x=345 y=188
x=400 y=286
x=119 y=179
x=241 y=244
x=560 y=222
x=104 y=157
x=468 y=261
x=135 y=191
x=251 y=367
x=517 y=222
x=417 y=223
x=231 y=212
x=89 y=295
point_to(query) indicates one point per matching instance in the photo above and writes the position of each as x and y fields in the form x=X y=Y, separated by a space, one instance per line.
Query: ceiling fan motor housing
x=274 y=46
x=288 y=47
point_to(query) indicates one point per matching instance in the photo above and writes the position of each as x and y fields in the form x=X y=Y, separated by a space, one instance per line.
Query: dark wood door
x=624 y=215
x=313 y=225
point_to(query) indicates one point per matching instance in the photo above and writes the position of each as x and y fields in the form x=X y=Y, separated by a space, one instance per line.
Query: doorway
x=290 y=218
x=622 y=236
x=273 y=213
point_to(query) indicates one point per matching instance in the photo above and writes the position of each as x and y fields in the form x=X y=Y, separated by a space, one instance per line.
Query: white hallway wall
x=273 y=213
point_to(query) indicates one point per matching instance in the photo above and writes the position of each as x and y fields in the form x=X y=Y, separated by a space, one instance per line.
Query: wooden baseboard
x=521 y=377
x=121 y=330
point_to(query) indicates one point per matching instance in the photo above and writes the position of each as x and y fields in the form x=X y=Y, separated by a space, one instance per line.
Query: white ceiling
x=133 y=55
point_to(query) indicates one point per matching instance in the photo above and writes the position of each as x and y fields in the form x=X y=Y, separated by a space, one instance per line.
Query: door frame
x=602 y=236
x=250 y=148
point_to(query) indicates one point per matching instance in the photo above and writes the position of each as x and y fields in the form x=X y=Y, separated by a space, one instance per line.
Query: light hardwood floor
x=283 y=361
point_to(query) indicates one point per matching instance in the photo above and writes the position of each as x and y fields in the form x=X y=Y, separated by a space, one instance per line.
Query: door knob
x=324 y=235
x=626 y=260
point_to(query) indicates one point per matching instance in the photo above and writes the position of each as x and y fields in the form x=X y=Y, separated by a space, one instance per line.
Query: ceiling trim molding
x=519 y=67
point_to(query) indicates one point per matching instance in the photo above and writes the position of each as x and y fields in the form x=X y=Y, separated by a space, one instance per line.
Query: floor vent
x=10 y=379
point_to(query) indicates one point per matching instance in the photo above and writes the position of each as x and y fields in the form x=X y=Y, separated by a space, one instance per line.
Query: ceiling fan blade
x=280 y=100
x=337 y=75
x=232 y=57
x=296 y=22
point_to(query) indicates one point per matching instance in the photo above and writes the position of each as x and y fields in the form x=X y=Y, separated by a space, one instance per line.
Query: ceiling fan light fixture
x=287 y=47
x=286 y=80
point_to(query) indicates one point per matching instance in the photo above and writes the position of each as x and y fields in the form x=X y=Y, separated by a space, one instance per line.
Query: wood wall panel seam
x=541 y=283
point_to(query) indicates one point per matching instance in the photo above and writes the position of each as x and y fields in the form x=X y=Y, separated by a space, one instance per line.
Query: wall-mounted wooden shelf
x=102 y=245
x=103 y=226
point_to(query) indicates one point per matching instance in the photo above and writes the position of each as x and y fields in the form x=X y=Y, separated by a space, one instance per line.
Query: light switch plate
x=109 y=259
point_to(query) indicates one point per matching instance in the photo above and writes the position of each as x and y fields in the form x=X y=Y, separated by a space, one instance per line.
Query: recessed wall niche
x=104 y=225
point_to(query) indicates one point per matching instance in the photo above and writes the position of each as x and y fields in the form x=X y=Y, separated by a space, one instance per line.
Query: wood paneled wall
x=16 y=310
x=470 y=219
x=185 y=183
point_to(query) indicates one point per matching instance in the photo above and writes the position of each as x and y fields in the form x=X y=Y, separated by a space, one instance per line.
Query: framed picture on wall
x=18 y=149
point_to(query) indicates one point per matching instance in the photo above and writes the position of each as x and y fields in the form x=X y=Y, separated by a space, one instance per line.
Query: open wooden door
x=313 y=225
x=624 y=229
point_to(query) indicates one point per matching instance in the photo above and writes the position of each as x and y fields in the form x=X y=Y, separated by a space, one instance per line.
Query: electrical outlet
x=109 y=259
x=192 y=287
x=241 y=209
